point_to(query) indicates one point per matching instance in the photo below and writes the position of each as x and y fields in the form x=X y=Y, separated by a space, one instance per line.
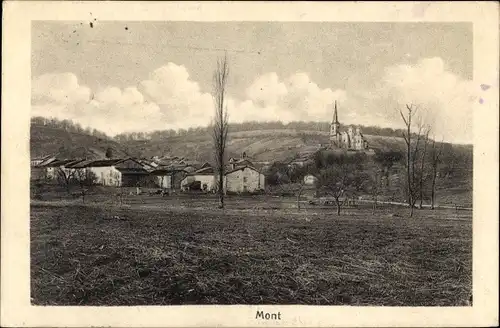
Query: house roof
x=206 y=164
x=239 y=160
x=57 y=163
x=47 y=161
x=130 y=164
x=95 y=163
x=204 y=171
x=41 y=158
x=147 y=165
x=172 y=167
x=192 y=162
x=164 y=171
x=106 y=162
x=190 y=168
x=168 y=169
x=79 y=164
x=241 y=168
x=176 y=161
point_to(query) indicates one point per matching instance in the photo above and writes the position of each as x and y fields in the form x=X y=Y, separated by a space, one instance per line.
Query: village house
x=169 y=177
x=171 y=171
x=240 y=176
x=116 y=172
x=244 y=179
x=134 y=174
x=237 y=162
x=39 y=169
x=104 y=171
x=53 y=168
x=204 y=179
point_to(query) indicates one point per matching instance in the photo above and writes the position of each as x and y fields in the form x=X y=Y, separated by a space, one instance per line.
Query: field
x=184 y=251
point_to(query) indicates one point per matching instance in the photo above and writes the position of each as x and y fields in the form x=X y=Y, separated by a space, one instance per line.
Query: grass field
x=160 y=254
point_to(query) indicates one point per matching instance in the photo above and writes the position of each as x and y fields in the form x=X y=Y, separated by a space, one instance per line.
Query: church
x=352 y=139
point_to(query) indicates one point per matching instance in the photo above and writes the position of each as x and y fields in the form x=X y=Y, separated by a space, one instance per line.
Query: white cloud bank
x=446 y=99
x=294 y=98
x=170 y=99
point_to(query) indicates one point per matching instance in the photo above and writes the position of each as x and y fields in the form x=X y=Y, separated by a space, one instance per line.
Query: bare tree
x=435 y=160
x=374 y=181
x=386 y=159
x=422 y=173
x=412 y=148
x=341 y=182
x=86 y=179
x=65 y=177
x=292 y=180
x=220 y=122
x=343 y=177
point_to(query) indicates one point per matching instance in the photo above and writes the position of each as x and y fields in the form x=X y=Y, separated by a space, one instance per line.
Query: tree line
x=67 y=125
x=343 y=176
x=297 y=126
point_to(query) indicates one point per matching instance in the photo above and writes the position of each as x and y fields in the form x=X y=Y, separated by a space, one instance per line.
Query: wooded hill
x=67 y=143
x=263 y=141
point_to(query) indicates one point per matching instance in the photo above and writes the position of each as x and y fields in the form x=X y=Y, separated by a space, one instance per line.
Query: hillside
x=454 y=185
x=267 y=145
x=264 y=145
x=46 y=140
x=260 y=145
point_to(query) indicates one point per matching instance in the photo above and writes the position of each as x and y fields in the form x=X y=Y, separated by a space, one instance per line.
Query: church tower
x=335 y=127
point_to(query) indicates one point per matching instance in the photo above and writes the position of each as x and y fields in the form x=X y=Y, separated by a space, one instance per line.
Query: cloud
x=179 y=98
x=291 y=99
x=169 y=98
x=445 y=99
x=111 y=110
x=60 y=88
x=266 y=90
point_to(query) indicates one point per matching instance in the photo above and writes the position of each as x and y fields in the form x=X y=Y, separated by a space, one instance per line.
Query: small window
x=244 y=179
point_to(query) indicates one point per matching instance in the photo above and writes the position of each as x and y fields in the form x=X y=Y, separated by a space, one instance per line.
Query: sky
x=144 y=76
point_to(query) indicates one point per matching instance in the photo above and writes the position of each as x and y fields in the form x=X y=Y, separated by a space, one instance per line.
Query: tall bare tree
x=220 y=122
x=435 y=153
x=422 y=174
x=412 y=147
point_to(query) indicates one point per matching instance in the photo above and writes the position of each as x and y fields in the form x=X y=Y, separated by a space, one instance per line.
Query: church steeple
x=335 y=125
x=335 y=116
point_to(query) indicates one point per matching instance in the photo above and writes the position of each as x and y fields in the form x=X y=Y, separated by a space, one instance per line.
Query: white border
x=15 y=284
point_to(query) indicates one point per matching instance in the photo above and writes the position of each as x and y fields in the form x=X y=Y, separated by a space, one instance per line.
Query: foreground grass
x=97 y=255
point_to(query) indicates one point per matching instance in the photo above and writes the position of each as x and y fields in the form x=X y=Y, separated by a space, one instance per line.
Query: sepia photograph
x=253 y=163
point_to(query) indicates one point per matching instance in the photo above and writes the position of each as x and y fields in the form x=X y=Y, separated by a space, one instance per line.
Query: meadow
x=182 y=250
